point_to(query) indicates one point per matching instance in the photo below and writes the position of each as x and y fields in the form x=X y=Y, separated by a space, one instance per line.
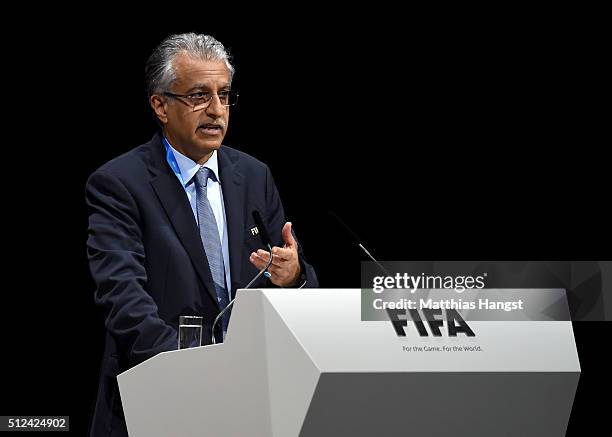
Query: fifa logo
x=454 y=322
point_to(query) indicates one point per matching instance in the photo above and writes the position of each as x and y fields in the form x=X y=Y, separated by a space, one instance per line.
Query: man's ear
x=158 y=104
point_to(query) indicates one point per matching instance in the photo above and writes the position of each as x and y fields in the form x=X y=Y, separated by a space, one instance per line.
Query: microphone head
x=263 y=231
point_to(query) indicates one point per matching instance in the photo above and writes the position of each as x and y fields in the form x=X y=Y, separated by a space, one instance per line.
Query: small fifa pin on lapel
x=254 y=231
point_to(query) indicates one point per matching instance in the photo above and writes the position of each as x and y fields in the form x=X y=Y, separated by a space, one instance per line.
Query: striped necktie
x=209 y=233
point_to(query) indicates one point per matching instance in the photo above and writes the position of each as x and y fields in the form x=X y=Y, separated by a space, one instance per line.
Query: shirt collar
x=188 y=167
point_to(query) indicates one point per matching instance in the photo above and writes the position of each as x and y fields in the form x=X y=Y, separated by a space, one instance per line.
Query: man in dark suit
x=171 y=230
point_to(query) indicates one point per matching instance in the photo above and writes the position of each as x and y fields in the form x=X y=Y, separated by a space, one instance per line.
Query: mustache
x=216 y=123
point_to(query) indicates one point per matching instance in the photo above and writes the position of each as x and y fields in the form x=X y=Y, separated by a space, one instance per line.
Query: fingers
x=282 y=254
x=279 y=255
x=283 y=271
x=261 y=260
x=284 y=276
x=258 y=261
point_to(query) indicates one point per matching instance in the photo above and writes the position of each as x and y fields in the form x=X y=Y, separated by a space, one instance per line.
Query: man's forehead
x=188 y=68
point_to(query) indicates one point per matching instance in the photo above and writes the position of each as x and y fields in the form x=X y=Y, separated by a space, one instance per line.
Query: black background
x=434 y=137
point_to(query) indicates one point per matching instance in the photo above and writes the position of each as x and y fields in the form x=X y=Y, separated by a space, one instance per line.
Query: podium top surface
x=326 y=325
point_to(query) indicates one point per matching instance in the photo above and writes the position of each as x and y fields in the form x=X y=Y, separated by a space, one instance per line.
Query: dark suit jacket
x=148 y=261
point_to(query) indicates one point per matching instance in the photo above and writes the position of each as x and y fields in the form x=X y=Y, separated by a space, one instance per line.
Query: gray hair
x=159 y=71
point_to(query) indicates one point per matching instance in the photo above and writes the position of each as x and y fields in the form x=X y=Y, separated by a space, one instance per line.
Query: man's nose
x=216 y=108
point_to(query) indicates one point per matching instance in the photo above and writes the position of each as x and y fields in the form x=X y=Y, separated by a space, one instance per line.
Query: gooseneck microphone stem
x=357 y=241
x=374 y=259
x=231 y=303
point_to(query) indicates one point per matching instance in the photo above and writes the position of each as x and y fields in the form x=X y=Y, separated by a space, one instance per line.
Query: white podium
x=301 y=362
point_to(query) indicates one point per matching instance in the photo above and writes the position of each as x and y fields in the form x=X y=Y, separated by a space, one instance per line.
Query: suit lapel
x=232 y=188
x=174 y=201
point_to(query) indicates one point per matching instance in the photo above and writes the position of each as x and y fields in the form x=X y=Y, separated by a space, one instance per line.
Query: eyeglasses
x=200 y=100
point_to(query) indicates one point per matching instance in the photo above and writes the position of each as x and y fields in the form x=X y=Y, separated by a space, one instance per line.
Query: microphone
x=357 y=241
x=265 y=239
